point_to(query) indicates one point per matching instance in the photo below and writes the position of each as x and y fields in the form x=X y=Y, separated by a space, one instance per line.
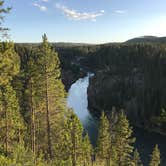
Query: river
x=145 y=141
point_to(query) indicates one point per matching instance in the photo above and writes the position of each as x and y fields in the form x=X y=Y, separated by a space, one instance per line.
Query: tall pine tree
x=11 y=122
x=52 y=97
x=75 y=131
x=104 y=140
x=32 y=77
x=73 y=148
x=122 y=141
x=87 y=151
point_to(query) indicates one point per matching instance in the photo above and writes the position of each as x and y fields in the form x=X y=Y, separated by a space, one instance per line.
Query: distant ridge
x=147 y=39
x=59 y=44
x=141 y=39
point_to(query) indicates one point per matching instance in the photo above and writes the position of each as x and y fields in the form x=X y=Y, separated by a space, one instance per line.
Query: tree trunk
x=48 y=120
x=74 y=157
x=33 y=127
x=7 y=130
x=37 y=141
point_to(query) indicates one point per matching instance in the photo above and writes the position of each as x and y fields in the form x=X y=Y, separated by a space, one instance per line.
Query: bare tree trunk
x=74 y=157
x=37 y=141
x=48 y=120
x=7 y=130
x=33 y=127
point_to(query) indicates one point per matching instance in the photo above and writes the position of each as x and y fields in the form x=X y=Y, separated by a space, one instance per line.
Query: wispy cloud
x=41 y=7
x=120 y=11
x=44 y=0
x=75 y=15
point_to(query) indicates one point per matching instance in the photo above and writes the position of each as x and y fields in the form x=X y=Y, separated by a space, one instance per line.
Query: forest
x=38 y=129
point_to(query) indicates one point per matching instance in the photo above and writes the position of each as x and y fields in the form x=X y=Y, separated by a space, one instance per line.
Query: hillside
x=147 y=39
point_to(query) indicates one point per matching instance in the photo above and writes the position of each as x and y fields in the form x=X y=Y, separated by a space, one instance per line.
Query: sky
x=85 y=21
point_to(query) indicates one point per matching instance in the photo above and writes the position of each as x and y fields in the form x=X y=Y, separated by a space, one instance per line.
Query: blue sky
x=88 y=21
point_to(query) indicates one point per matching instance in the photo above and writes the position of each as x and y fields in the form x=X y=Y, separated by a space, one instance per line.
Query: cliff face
x=132 y=78
x=69 y=77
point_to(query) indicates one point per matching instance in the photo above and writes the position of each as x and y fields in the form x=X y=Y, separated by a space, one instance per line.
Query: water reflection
x=78 y=100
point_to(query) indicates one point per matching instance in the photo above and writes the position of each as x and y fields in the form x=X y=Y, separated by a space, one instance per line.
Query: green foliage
x=73 y=148
x=87 y=151
x=122 y=141
x=11 y=122
x=74 y=131
x=52 y=95
x=9 y=63
x=136 y=159
x=44 y=97
x=104 y=139
x=4 y=161
x=22 y=156
x=155 y=157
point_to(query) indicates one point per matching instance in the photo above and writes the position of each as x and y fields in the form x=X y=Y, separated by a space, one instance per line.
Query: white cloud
x=75 y=15
x=41 y=7
x=44 y=0
x=120 y=11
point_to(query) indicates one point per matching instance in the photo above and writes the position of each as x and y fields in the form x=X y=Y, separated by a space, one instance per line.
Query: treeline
x=69 y=56
x=38 y=129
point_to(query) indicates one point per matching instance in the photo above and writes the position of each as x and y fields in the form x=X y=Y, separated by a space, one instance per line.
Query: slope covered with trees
x=39 y=129
x=130 y=77
x=125 y=77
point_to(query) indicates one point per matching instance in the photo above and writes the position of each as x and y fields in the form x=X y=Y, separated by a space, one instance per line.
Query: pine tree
x=75 y=130
x=11 y=121
x=33 y=93
x=51 y=95
x=122 y=141
x=104 y=140
x=155 y=157
x=86 y=151
x=71 y=146
x=136 y=159
x=9 y=63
